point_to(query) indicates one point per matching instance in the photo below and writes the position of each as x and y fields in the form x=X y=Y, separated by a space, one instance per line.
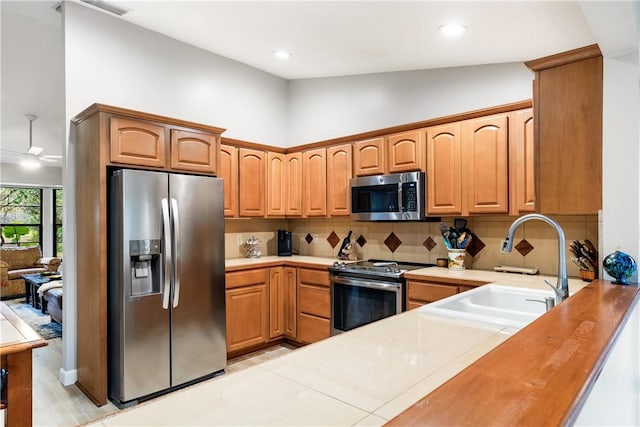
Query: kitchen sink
x=494 y=304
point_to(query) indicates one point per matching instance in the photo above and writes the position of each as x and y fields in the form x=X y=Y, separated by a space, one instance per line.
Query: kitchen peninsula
x=374 y=373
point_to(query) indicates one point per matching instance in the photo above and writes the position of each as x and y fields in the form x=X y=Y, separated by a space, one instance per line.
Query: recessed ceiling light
x=281 y=54
x=452 y=30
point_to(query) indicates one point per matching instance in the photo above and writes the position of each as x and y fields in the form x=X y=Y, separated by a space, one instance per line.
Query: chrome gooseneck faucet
x=561 y=288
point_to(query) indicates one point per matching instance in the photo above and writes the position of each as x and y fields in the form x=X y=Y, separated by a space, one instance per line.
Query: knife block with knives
x=585 y=256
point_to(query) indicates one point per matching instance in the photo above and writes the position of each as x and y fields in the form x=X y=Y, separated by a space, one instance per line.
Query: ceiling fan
x=32 y=157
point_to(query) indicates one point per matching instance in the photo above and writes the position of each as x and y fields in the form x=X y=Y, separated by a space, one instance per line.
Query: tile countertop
x=364 y=377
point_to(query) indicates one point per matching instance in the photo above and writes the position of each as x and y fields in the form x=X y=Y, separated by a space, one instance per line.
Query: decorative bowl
x=620 y=266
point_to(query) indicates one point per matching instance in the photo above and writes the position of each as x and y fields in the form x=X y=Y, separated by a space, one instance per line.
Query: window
x=57 y=223
x=21 y=216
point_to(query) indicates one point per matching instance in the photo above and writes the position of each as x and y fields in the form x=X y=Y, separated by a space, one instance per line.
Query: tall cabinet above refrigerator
x=166 y=301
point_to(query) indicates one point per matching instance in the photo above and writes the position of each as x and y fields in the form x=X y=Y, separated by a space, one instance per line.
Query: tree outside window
x=21 y=216
x=57 y=223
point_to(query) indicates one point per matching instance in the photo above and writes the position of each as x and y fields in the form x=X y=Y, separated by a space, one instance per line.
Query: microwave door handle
x=166 y=247
x=385 y=286
x=176 y=245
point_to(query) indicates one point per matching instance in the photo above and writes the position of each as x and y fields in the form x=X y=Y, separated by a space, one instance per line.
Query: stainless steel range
x=365 y=291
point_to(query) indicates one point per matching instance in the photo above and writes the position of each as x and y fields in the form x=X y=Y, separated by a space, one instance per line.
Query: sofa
x=52 y=303
x=18 y=261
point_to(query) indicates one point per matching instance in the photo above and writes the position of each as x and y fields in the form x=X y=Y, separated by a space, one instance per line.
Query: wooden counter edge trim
x=493 y=388
x=276 y=263
x=32 y=338
x=96 y=108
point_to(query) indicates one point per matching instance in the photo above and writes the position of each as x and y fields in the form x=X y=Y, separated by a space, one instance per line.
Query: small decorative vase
x=620 y=266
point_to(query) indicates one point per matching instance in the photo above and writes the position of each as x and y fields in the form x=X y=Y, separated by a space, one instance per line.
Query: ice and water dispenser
x=146 y=264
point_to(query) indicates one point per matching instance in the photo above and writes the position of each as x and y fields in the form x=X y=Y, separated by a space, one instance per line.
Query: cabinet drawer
x=313 y=277
x=314 y=300
x=429 y=292
x=246 y=278
x=312 y=328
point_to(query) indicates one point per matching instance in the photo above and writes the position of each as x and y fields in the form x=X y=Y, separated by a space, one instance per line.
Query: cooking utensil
x=460 y=224
x=445 y=235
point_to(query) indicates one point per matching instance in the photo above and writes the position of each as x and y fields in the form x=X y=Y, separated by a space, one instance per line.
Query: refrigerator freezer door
x=139 y=341
x=198 y=319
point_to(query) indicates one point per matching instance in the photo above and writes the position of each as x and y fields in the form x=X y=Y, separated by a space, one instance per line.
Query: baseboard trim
x=68 y=377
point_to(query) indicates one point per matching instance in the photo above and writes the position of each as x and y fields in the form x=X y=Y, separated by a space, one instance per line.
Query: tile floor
x=55 y=405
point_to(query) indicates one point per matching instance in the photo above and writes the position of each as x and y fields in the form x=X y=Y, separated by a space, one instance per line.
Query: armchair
x=17 y=261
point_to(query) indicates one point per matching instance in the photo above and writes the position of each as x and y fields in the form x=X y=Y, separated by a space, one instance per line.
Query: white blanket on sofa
x=49 y=285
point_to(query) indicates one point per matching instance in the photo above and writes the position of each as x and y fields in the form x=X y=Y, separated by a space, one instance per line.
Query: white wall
x=327 y=108
x=113 y=62
x=11 y=173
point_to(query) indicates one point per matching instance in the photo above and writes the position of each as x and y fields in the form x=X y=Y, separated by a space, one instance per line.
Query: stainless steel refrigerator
x=166 y=304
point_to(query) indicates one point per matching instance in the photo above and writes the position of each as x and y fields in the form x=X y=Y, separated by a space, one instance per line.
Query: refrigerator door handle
x=176 y=242
x=166 y=243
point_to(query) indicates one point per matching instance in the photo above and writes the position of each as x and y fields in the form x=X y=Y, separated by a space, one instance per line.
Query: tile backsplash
x=535 y=242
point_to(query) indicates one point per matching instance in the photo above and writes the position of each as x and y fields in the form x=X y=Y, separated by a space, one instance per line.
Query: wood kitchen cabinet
x=313 y=305
x=293 y=177
x=369 y=157
x=113 y=137
x=424 y=292
x=522 y=191
x=228 y=171
x=137 y=142
x=282 y=302
x=291 y=302
x=444 y=170
x=276 y=184
x=567 y=103
x=251 y=182
x=468 y=166
x=314 y=176
x=406 y=151
x=277 y=301
x=194 y=151
x=247 y=309
x=143 y=143
x=338 y=176
x=485 y=158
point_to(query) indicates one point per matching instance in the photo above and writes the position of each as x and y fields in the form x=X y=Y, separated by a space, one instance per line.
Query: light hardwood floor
x=55 y=405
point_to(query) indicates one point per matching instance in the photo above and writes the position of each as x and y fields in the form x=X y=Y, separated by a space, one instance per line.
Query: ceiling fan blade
x=52 y=156
x=47 y=159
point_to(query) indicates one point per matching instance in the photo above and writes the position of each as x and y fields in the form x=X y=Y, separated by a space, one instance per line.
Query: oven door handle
x=386 y=286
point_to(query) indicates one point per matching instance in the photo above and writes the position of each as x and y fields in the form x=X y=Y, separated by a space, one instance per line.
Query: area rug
x=41 y=323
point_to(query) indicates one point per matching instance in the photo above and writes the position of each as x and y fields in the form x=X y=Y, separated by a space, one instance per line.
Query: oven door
x=356 y=301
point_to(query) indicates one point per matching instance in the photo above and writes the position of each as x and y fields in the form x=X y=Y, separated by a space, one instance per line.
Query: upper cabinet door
x=193 y=151
x=522 y=163
x=137 y=142
x=276 y=184
x=251 y=166
x=369 y=157
x=444 y=188
x=314 y=190
x=228 y=171
x=485 y=160
x=293 y=177
x=339 y=175
x=406 y=151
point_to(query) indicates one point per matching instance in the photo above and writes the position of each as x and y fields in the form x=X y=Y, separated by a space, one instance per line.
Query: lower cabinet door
x=247 y=318
x=312 y=328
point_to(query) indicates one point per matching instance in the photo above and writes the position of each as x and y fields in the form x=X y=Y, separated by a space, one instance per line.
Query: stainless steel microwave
x=396 y=197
